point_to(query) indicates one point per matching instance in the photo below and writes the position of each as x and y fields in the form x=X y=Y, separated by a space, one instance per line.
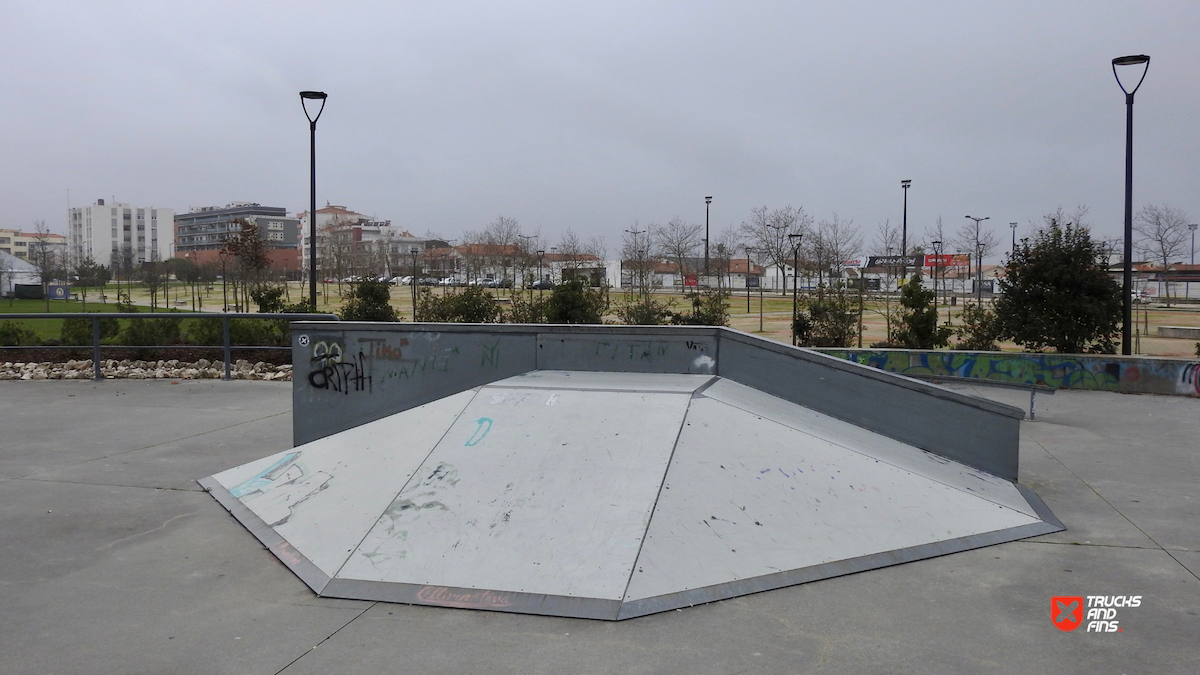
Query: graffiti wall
x=1132 y=374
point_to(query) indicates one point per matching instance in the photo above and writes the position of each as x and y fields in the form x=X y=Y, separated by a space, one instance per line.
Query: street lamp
x=707 y=201
x=937 y=261
x=904 y=232
x=305 y=97
x=797 y=238
x=1187 y=293
x=1014 y=244
x=413 y=251
x=1127 y=276
x=978 y=259
x=979 y=276
x=541 y=253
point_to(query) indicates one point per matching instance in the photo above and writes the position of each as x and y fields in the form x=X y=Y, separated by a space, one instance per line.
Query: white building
x=361 y=244
x=113 y=234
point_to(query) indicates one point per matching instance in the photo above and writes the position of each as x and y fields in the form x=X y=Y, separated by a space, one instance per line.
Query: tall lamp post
x=413 y=251
x=1187 y=293
x=978 y=259
x=541 y=254
x=1127 y=276
x=904 y=232
x=937 y=262
x=305 y=97
x=979 y=274
x=707 y=201
x=1014 y=243
x=794 y=240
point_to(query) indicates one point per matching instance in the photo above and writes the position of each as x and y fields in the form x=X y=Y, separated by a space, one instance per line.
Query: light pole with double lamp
x=305 y=97
x=1127 y=272
x=1014 y=243
x=937 y=262
x=794 y=240
x=978 y=259
x=904 y=233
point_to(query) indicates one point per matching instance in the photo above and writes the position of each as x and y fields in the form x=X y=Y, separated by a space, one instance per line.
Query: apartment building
x=119 y=234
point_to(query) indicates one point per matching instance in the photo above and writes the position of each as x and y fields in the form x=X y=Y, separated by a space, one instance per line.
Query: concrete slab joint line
x=612 y=472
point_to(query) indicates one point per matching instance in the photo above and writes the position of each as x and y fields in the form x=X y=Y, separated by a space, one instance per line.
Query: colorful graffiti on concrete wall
x=1067 y=371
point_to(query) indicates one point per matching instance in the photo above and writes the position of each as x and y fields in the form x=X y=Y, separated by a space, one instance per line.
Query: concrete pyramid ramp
x=610 y=495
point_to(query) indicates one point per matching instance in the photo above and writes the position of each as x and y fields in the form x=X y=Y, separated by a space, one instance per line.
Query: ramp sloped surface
x=610 y=495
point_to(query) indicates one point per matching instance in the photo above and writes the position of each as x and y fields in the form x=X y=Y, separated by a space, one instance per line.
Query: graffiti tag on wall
x=1066 y=371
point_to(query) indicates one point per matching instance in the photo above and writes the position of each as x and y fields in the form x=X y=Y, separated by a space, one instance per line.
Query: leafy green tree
x=978 y=329
x=1058 y=294
x=918 y=328
x=90 y=274
x=369 y=300
x=576 y=302
x=471 y=305
x=527 y=309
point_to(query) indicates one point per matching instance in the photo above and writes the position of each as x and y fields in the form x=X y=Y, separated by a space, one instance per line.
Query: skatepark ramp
x=609 y=473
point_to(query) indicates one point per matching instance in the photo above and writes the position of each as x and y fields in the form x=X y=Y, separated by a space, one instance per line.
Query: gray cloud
x=443 y=115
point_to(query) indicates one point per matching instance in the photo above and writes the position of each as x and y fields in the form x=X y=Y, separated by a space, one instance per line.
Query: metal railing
x=225 y=346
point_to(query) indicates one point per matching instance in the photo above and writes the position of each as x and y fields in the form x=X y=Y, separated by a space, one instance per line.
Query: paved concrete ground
x=113 y=561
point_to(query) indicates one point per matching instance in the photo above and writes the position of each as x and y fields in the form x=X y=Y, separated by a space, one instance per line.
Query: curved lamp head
x=306 y=96
x=1132 y=60
x=905 y=183
x=708 y=200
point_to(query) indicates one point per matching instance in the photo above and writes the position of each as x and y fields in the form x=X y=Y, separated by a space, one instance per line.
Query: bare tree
x=677 y=240
x=834 y=242
x=767 y=231
x=636 y=258
x=728 y=243
x=44 y=257
x=1163 y=236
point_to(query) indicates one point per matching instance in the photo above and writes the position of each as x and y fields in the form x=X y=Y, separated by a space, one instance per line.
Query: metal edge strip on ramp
x=295 y=561
x=474 y=598
x=741 y=587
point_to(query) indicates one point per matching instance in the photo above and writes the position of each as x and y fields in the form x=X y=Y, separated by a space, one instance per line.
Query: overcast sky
x=590 y=116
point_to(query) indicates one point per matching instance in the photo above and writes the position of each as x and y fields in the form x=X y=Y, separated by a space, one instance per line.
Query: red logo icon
x=1066 y=611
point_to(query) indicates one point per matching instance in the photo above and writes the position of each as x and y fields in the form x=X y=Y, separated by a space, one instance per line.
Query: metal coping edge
x=287 y=554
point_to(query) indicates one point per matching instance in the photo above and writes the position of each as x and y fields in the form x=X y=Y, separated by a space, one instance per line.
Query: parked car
x=428 y=281
x=504 y=283
x=542 y=284
x=402 y=281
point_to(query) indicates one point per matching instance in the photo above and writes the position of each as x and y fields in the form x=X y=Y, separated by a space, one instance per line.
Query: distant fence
x=226 y=346
x=1101 y=372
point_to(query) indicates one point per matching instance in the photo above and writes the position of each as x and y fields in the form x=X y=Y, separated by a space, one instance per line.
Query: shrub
x=247 y=332
x=709 y=308
x=269 y=299
x=979 y=330
x=576 y=302
x=79 y=331
x=834 y=318
x=369 y=300
x=918 y=328
x=527 y=309
x=644 y=311
x=13 y=334
x=473 y=304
